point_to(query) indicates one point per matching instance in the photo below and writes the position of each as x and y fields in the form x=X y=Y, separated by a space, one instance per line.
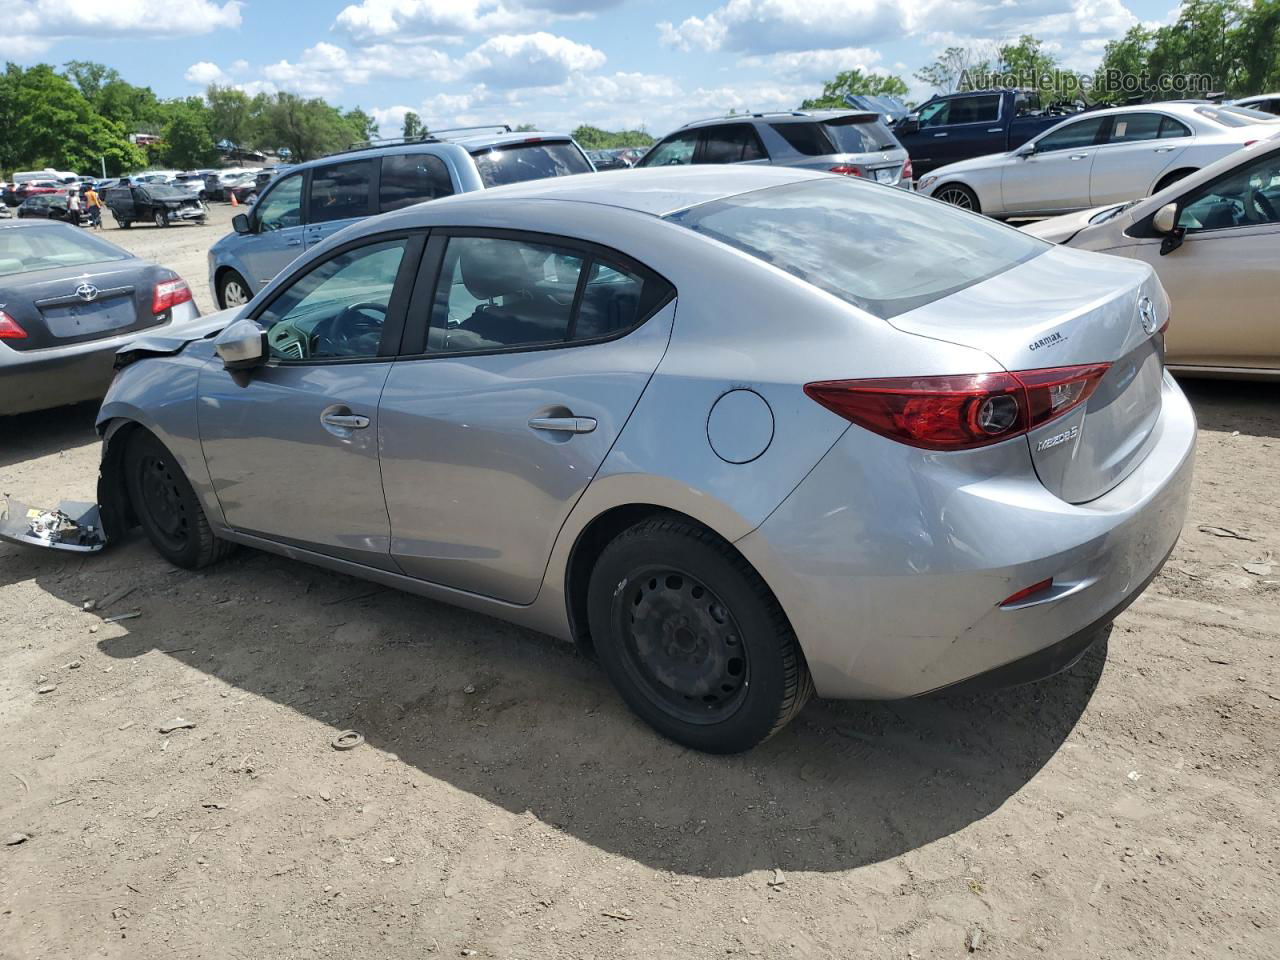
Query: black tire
x=228 y=282
x=160 y=220
x=958 y=195
x=693 y=638
x=166 y=506
x=1169 y=178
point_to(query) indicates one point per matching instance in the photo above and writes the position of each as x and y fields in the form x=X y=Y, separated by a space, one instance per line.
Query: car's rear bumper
x=892 y=563
x=57 y=376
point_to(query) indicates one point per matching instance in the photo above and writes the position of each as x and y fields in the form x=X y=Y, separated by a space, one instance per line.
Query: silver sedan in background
x=1100 y=156
x=68 y=301
x=746 y=433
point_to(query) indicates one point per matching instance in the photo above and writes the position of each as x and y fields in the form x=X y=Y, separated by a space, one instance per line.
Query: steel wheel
x=957 y=197
x=160 y=220
x=163 y=502
x=683 y=646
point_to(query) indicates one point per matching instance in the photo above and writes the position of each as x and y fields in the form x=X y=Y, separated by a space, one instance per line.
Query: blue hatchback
x=313 y=200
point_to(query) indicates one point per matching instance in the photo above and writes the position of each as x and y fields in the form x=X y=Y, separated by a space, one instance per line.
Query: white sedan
x=1103 y=156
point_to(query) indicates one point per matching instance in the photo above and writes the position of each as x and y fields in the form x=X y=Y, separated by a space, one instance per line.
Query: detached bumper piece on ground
x=74 y=526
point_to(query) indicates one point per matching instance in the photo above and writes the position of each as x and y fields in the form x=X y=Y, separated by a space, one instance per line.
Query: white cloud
x=772 y=26
x=204 y=73
x=32 y=26
x=815 y=65
x=529 y=60
x=410 y=20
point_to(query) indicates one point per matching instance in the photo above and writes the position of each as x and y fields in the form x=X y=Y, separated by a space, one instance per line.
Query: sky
x=617 y=64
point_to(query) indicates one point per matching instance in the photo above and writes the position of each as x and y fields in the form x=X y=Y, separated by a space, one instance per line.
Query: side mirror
x=908 y=124
x=1166 y=218
x=1027 y=150
x=1165 y=221
x=240 y=223
x=242 y=346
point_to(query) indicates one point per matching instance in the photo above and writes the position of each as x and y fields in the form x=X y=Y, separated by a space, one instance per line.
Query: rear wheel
x=693 y=638
x=233 y=291
x=166 y=506
x=958 y=195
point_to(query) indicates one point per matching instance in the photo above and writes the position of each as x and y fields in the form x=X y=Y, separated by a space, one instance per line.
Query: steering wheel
x=347 y=334
x=1264 y=206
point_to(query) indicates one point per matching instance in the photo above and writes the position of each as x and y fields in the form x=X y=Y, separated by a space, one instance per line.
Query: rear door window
x=1170 y=128
x=730 y=143
x=518 y=162
x=340 y=191
x=982 y=109
x=410 y=178
x=1131 y=127
x=808 y=139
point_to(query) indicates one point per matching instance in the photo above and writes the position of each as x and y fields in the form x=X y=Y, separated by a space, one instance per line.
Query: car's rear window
x=26 y=249
x=1235 y=116
x=518 y=162
x=859 y=136
x=879 y=248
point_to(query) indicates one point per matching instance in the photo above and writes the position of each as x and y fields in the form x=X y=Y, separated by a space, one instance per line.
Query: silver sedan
x=1102 y=156
x=68 y=301
x=746 y=433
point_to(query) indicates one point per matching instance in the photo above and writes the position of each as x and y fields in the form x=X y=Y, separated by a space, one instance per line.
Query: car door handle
x=995 y=129
x=293 y=242
x=1079 y=156
x=564 y=424
x=1163 y=149
x=939 y=134
x=347 y=421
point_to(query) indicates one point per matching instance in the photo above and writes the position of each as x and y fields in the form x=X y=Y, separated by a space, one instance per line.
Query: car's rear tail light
x=959 y=412
x=168 y=294
x=1027 y=592
x=907 y=172
x=9 y=329
x=848 y=169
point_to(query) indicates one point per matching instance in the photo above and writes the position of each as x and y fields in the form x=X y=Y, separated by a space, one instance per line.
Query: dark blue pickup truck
x=957 y=126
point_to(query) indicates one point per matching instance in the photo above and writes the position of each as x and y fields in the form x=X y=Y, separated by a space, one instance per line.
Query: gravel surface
x=505 y=804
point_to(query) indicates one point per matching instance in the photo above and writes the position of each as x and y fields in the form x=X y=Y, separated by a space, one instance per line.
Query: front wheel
x=233 y=291
x=166 y=506
x=161 y=220
x=958 y=195
x=693 y=638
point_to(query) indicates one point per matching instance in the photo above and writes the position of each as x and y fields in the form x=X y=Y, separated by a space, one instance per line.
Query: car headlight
x=927 y=182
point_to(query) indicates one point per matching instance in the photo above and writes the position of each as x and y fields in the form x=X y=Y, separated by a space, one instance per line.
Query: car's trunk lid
x=1066 y=308
x=98 y=301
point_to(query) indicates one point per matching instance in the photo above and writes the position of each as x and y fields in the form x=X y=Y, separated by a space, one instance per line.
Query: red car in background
x=33 y=188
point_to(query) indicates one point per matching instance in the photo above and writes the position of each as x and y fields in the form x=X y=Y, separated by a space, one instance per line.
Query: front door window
x=282 y=207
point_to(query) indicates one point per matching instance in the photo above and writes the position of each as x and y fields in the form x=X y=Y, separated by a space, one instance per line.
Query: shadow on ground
x=1252 y=407
x=847 y=784
x=31 y=435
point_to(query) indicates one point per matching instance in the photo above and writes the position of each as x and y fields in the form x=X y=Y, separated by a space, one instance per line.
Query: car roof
x=657 y=191
x=472 y=143
x=781 y=116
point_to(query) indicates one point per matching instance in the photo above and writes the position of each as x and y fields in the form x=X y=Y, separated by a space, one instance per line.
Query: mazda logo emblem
x=87 y=292
x=1147 y=314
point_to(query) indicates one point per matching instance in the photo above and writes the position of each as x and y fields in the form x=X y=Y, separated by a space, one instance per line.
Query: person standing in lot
x=73 y=206
x=94 y=205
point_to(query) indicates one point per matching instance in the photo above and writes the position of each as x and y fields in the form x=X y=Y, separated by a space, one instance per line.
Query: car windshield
x=41 y=248
x=1235 y=116
x=878 y=248
x=529 y=161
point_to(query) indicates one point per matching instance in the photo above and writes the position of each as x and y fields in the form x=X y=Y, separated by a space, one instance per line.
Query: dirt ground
x=506 y=805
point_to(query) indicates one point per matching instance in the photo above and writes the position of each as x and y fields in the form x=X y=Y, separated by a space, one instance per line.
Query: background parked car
x=70 y=300
x=609 y=159
x=316 y=199
x=1103 y=156
x=156 y=203
x=1266 y=102
x=32 y=188
x=854 y=143
x=891 y=109
x=51 y=206
x=956 y=126
x=1214 y=240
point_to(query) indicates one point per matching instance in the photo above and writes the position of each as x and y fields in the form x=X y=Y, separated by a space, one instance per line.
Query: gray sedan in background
x=68 y=301
x=746 y=433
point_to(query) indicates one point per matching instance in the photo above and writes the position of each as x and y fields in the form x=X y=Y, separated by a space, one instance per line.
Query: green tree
x=954 y=66
x=1127 y=56
x=1256 y=40
x=1203 y=40
x=308 y=128
x=362 y=126
x=188 y=142
x=855 y=83
x=230 y=116
x=594 y=138
x=90 y=78
x=413 y=126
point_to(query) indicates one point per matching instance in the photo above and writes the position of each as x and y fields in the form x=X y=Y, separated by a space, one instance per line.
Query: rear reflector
x=169 y=294
x=907 y=172
x=848 y=169
x=1026 y=592
x=959 y=412
x=9 y=329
